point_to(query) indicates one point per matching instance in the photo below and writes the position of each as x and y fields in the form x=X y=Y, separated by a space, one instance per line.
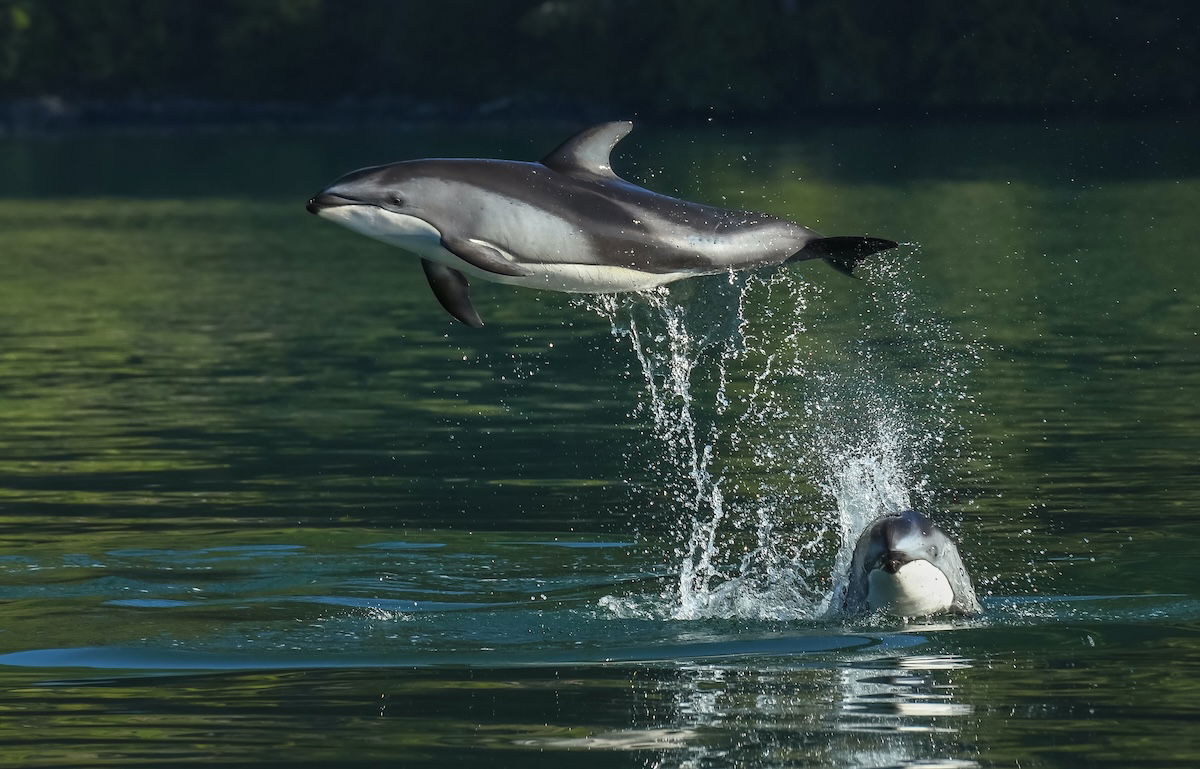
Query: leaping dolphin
x=906 y=565
x=567 y=223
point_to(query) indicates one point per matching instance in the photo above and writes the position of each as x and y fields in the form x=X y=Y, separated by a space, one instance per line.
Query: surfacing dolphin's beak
x=327 y=200
x=894 y=560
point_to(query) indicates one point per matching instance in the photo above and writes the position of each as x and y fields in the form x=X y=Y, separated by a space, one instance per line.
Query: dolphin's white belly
x=917 y=589
x=423 y=239
x=571 y=278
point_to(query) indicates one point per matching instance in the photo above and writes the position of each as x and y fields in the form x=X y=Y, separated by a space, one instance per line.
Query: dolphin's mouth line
x=324 y=200
x=892 y=561
x=327 y=200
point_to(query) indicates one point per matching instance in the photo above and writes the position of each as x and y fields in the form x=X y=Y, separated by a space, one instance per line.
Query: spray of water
x=782 y=430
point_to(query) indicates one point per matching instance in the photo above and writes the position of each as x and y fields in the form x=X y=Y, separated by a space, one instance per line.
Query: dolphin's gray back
x=951 y=564
x=865 y=549
x=541 y=215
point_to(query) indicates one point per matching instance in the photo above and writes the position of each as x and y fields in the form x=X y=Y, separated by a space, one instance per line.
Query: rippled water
x=263 y=502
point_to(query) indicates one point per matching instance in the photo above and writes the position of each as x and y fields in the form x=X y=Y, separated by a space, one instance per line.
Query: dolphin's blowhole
x=916 y=589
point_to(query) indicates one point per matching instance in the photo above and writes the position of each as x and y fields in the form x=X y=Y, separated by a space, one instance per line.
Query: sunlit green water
x=264 y=503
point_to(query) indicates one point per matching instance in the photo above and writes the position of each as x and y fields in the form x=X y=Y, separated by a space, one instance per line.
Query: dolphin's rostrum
x=567 y=223
x=906 y=565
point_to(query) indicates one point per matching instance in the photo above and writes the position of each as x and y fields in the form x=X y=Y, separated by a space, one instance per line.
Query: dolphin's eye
x=933 y=550
x=395 y=199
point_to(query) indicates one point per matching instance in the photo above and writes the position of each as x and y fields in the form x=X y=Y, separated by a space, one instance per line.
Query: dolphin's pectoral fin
x=484 y=256
x=587 y=152
x=452 y=291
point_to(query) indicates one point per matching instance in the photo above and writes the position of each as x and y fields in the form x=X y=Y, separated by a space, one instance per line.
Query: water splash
x=780 y=442
x=864 y=483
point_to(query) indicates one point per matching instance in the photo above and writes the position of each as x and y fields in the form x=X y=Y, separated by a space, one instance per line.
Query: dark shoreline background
x=81 y=64
x=53 y=116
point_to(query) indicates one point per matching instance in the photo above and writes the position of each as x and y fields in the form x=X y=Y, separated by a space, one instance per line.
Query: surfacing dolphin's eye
x=395 y=199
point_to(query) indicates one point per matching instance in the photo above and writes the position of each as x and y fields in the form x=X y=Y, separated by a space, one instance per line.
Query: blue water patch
x=779 y=647
x=243 y=550
x=403 y=546
x=574 y=545
x=392 y=605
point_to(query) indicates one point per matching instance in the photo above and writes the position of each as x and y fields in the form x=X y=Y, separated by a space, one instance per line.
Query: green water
x=264 y=503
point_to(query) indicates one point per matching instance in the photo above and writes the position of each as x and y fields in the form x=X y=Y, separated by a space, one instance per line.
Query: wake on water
x=783 y=429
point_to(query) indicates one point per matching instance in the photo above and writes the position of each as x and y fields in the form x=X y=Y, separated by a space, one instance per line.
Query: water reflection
x=871 y=713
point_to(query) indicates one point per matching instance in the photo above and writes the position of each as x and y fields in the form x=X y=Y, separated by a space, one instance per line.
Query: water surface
x=263 y=502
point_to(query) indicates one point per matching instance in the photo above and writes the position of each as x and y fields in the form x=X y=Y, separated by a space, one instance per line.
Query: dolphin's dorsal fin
x=587 y=152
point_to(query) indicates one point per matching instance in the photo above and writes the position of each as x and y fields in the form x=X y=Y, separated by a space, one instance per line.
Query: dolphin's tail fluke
x=842 y=253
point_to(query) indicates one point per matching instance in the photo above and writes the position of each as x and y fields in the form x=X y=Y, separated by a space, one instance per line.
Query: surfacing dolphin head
x=905 y=565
